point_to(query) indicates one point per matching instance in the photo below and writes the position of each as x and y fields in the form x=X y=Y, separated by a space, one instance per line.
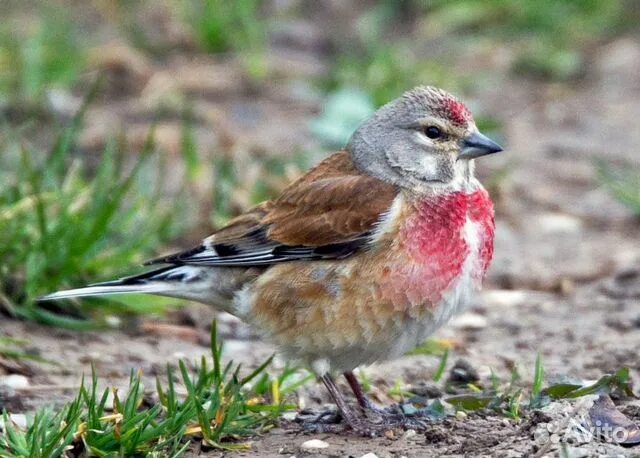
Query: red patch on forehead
x=455 y=111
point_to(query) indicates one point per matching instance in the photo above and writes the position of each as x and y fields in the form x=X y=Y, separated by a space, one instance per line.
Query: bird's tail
x=153 y=282
x=214 y=286
x=200 y=284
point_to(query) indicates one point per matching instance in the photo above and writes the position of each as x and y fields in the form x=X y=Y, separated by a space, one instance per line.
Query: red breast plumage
x=434 y=248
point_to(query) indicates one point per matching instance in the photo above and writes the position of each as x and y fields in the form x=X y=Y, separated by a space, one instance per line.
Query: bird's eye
x=433 y=132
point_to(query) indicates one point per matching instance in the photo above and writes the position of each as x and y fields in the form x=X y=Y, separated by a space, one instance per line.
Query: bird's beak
x=476 y=145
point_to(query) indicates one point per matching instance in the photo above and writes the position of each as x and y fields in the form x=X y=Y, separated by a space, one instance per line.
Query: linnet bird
x=360 y=259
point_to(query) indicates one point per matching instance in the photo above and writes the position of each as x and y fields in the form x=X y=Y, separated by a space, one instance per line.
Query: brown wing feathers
x=327 y=213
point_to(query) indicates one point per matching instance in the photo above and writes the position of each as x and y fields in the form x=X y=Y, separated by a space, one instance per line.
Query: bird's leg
x=366 y=425
x=392 y=416
x=363 y=399
x=370 y=421
x=389 y=413
x=354 y=419
x=351 y=417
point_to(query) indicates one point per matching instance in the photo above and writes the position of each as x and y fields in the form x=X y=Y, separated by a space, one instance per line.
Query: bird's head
x=424 y=140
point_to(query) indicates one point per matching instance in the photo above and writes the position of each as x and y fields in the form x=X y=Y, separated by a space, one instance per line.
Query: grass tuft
x=14 y=349
x=210 y=404
x=243 y=181
x=441 y=366
x=36 y=58
x=538 y=378
x=64 y=225
x=549 y=36
x=220 y=26
x=507 y=398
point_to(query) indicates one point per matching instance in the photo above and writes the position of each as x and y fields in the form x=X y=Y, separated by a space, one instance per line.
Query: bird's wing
x=327 y=213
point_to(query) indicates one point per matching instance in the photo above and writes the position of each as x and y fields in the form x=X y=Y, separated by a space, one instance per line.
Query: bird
x=361 y=258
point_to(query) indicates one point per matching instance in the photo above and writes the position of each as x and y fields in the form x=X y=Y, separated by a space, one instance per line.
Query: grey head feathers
x=391 y=145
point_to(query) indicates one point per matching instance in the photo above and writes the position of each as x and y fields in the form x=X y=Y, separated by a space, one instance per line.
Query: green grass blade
x=538 y=377
x=442 y=366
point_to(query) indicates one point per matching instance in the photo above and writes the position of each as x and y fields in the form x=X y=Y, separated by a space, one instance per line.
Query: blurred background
x=130 y=126
x=129 y=129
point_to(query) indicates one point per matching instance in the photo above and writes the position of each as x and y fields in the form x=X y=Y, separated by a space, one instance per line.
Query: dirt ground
x=565 y=281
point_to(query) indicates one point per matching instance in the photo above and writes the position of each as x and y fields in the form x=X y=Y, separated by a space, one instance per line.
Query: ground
x=565 y=281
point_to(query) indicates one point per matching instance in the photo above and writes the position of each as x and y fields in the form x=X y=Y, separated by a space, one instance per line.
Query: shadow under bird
x=360 y=259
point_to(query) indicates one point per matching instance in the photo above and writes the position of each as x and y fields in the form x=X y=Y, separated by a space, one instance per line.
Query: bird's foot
x=323 y=422
x=371 y=422
x=395 y=418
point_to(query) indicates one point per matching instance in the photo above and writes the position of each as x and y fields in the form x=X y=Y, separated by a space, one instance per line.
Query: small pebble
x=462 y=373
x=108 y=405
x=94 y=356
x=460 y=415
x=15 y=381
x=410 y=433
x=510 y=298
x=313 y=443
x=16 y=419
x=470 y=320
x=290 y=416
x=113 y=321
x=369 y=455
x=579 y=452
x=551 y=223
x=235 y=346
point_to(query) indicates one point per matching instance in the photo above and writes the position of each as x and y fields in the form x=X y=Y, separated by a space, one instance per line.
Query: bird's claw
x=370 y=422
x=329 y=417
